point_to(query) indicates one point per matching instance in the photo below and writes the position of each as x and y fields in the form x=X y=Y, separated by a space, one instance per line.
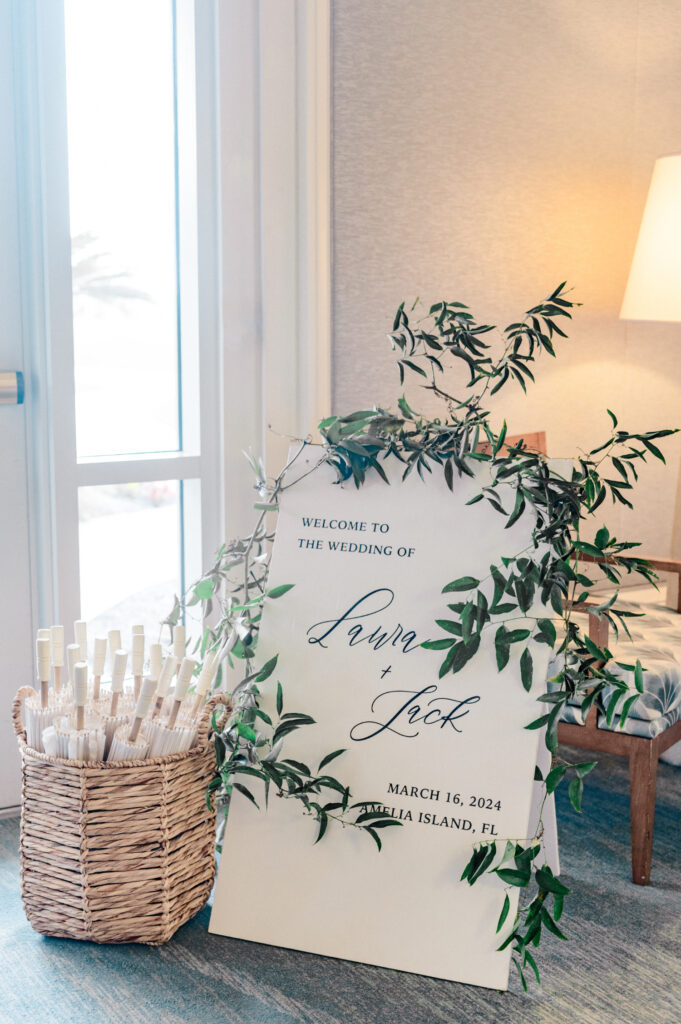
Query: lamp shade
x=653 y=290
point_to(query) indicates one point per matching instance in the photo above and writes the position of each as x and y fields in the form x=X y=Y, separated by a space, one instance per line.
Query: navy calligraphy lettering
x=373 y=603
x=413 y=710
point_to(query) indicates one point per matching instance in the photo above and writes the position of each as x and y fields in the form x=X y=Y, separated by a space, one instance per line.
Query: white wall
x=484 y=152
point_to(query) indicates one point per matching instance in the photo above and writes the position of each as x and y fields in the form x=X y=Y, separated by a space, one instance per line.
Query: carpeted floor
x=622 y=964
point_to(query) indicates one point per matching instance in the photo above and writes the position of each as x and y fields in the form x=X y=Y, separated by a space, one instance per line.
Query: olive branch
x=233 y=591
x=537 y=594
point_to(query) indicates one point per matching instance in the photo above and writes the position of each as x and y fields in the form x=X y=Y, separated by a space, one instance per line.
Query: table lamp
x=653 y=290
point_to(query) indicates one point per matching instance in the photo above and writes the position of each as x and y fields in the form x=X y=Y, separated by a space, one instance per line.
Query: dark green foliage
x=524 y=596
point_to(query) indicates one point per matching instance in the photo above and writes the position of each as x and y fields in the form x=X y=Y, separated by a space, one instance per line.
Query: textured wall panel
x=484 y=152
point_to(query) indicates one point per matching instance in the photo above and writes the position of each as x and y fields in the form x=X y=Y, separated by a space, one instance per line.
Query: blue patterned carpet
x=622 y=965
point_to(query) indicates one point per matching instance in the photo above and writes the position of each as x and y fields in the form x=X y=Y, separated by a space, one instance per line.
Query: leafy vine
x=250 y=743
x=542 y=594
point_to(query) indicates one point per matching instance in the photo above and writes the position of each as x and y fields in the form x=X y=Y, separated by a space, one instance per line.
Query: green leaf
x=504 y=913
x=280 y=699
x=267 y=669
x=626 y=708
x=463 y=583
x=323 y=822
x=531 y=961
x=246 y=731
x=247 y=769
x=414 y=366
x=210 y=788
x=449 y=626
x=246 y=792
x=512 y=877
x=638 y=676
x=538 y=722
x=526 y=669
x=405 y=408
x=594 y=650
x=330 y=757
x=550 y=924
x=477 y=857
x=480 y=868
x=588 y=549
x=448 y=662
x=575 y=790
x=438 y=645
x=204 y=590
x=557 y=598
x=554 y=777
x=501 y=648
x=374 y=835
x=547 y=880
x=584 y=768
x=547 y=629
x=600 y=498
x=463 y=652
x=280 y=590
x=654 y=450
x=518 y=509
x=297 y=765
x=514 y=636
x=602 y=537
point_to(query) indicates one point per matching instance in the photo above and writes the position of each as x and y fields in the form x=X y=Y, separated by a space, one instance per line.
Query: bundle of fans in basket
x=151 y=712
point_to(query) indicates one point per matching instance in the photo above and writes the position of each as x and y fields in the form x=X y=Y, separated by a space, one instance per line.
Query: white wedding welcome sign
x=451 y=758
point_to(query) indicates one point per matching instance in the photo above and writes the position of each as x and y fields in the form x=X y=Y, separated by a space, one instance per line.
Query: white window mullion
x=314 y=208
x=199 y=276
x=140 y=469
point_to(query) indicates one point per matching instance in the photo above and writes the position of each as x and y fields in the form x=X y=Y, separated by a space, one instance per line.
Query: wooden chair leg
x=642 y=785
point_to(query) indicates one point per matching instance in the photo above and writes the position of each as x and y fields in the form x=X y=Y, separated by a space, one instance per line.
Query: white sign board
x=450 y=757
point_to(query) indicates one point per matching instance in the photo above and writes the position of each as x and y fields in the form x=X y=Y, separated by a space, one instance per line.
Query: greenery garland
x=558 y=569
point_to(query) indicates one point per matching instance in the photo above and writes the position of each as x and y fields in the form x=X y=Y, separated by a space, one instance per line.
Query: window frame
x=255 y=257
x=55 y=472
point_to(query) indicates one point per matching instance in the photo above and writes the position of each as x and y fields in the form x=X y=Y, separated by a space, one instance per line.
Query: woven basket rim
x=203 y=733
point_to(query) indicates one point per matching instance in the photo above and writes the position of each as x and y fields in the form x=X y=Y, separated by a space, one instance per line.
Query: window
x=121 y=110
x=141 y=333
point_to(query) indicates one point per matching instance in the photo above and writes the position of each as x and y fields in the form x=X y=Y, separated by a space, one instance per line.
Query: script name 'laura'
x=413 y=711
x=366 y=607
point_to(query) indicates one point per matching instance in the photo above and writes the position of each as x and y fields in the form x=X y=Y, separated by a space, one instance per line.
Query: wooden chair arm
x=661 y=564
x=664 y=564
x=598 y=627
x=672 y=565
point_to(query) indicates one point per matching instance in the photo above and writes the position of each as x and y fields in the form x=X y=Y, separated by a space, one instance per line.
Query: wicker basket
x=120 y=851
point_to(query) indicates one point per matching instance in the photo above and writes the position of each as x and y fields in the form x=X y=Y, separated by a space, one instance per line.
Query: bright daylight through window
x=122 y=173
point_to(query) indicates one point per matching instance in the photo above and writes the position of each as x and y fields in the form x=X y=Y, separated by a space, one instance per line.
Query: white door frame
x=45 y=275
x=275 y=129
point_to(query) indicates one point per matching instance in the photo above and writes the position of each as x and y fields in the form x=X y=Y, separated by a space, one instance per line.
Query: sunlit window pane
x=130 y=554
x=121 y=135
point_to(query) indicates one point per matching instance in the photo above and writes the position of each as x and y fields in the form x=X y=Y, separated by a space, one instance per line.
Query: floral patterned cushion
x=656 y=642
